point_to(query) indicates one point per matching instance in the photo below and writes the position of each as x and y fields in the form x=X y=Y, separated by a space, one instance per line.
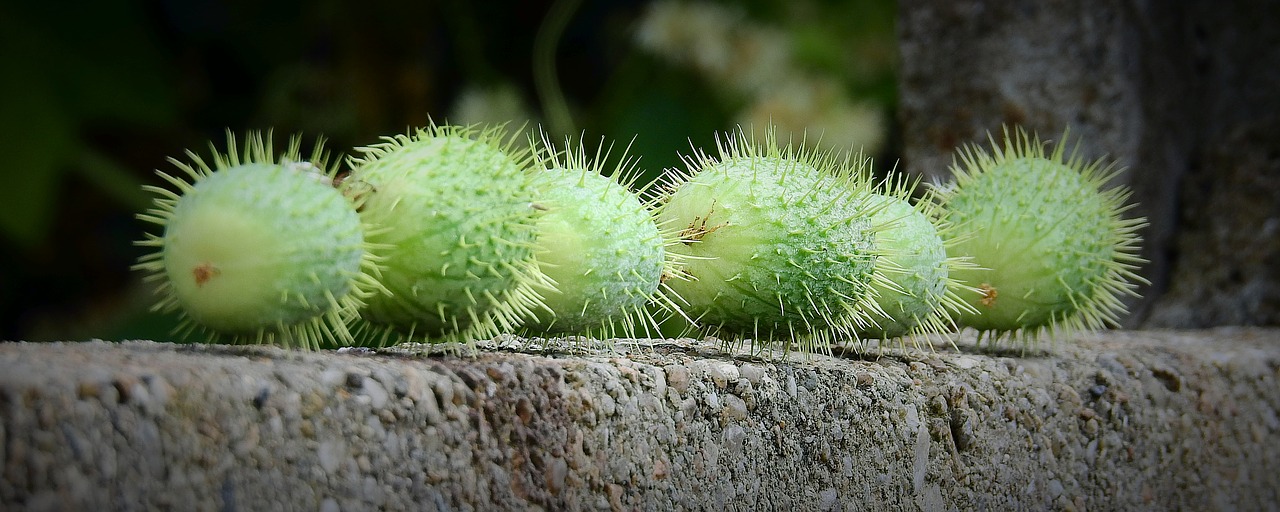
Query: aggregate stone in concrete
x=1118 y=420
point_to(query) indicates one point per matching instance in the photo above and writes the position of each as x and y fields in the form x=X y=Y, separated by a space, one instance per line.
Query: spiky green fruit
x=602 y=248
x=264 y=250
x=1052 y=249
x=778 y=244
x=457 y=210
x=917 y=270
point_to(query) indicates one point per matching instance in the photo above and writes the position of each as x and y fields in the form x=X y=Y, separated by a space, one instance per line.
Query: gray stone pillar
x=1180 y=93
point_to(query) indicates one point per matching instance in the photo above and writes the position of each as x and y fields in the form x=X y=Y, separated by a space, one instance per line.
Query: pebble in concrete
x=1116 y=420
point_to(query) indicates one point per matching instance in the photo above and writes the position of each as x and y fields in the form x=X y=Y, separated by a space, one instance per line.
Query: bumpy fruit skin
x=917 y=268
x=457 y=210
x=778 y=246
x=265 y=252
x=1053 y=251
x=603 y=250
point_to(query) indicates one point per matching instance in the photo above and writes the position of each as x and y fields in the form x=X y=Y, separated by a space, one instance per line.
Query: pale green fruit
x=457 y=211
x=264 y=251
x=777 y=245
x=1053 y=251
x=600 y=245
x=917 y=271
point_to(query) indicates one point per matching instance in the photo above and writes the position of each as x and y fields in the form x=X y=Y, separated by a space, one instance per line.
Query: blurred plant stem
x=554 y=107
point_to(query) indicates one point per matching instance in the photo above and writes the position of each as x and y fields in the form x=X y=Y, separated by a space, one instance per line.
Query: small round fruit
x=601 y=246
x=917 y=293
x=266 y=251
x=457 y=210
x=777 y=245
x=1052 y=251
x=916 y=267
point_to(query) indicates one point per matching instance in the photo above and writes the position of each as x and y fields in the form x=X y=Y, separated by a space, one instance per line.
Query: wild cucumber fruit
x=263 y=250
x=1054 y=250
x=456 y=207
x=918 y=291
x=600 y=244
x=779 y=244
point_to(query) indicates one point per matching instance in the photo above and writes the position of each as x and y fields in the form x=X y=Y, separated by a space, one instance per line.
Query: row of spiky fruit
x=452 y=234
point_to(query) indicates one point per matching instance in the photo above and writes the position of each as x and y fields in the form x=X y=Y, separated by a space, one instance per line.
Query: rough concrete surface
x=1123 y=420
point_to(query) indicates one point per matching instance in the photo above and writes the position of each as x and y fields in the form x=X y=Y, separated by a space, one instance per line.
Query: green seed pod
x=263 y=250
x=918 y=291
x=456 y=207
x=778 y=244
x=601 y=246
x=1052 y=251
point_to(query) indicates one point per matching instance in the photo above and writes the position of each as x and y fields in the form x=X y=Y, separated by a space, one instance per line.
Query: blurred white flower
x=694 y=34
x=817 y=110
x=755 y=62
x=493 y=105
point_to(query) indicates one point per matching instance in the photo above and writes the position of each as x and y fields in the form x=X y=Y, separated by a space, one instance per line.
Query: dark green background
x=96 y=95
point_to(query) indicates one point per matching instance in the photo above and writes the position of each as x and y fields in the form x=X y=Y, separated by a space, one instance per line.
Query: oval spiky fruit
x=263 y=251
x=916 y=267
x=778 y=245
x=456 y=208
x=1053 y=250
x=602 y=248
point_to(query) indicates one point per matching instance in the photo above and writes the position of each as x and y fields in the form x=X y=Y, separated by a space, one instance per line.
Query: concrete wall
x=1117 y=421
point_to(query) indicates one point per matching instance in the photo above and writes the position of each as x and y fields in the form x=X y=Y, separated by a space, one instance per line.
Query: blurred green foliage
x=70 y=77
x=98 y=94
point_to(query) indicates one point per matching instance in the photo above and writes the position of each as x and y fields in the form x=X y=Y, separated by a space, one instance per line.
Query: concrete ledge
x=1116 y=420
